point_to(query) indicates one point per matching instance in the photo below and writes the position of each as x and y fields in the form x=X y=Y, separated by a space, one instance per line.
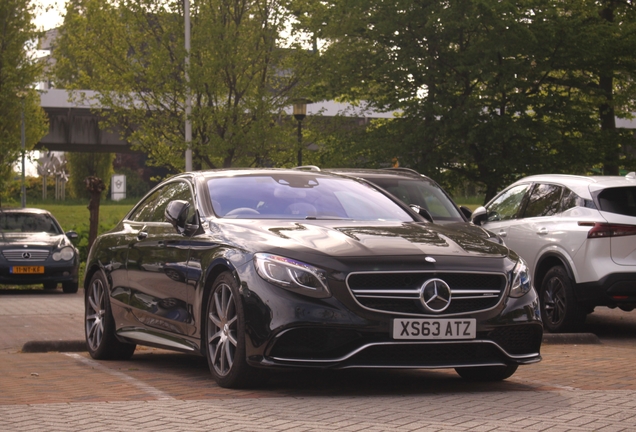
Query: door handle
x=141 y=235
x=502 y=233
x=543 y=231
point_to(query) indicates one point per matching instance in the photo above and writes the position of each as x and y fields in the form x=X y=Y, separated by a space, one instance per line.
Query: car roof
x=379 y=172
x=24 y=210
x=582 y=185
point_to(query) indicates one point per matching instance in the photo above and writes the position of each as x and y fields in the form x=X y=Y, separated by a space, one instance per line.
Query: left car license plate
x=27 y=269
x=427 y=329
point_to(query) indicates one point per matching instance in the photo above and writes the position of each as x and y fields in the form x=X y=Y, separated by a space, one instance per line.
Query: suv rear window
x=620 y=200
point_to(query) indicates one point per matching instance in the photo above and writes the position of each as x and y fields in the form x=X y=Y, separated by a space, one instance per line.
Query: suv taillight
x=601 y=230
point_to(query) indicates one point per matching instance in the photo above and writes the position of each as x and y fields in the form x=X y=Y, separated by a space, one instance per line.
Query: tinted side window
x=143 y=212
x=621 y=200
x=153 y=208
x=170 y=192
x=422 y=193
x=569 y=200
x=506 y=205
x=543 y=201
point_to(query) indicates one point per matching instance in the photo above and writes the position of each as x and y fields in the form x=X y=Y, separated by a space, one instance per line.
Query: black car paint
x=169 y=312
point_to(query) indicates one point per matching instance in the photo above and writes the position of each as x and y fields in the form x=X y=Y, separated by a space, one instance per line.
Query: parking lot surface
x=577 y=387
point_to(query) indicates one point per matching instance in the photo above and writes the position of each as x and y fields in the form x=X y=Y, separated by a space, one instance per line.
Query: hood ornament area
x=435 y=295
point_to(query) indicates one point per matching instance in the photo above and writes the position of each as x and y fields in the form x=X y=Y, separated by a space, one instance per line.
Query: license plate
x=27 y=269
x=431 y=329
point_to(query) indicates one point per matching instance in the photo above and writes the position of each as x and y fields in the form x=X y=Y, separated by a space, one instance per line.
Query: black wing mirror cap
x=71 y=235
x=466 y=212
x=479 y=216
x=176 y=213
x=422 y=212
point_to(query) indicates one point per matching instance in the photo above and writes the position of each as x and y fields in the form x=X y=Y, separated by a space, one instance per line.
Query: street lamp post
x=23 y=144
x=188 y=99
x=300 y=112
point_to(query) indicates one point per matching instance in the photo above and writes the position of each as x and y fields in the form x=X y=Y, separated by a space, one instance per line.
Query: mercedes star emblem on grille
x=435 y=295
x=26 y=255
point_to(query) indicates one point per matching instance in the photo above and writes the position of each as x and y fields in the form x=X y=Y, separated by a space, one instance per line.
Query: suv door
x=538 y=227
x=503 y=211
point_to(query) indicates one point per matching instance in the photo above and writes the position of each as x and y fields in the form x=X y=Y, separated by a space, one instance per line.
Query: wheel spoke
x=215 y=336
x=217 y=322
x=229 y=355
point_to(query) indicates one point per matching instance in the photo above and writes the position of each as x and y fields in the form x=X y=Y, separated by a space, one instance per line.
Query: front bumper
x=53 y=273
x=336 y=333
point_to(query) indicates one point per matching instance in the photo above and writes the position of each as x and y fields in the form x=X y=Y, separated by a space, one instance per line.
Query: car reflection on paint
x=258 y=269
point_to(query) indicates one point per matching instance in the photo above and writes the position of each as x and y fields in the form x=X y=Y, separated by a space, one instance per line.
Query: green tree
x=132 y=52
x=19 y=70
x=488 y=90
x=84 y=165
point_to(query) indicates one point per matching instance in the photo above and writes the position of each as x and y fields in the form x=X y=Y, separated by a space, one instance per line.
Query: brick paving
x=575 y=388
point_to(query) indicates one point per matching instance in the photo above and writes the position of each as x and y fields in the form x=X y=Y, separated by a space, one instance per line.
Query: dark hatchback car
x=422 y=193
x=35 y=250
x=282 y=268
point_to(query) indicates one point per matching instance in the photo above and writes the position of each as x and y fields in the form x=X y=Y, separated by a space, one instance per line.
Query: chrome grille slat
x=399 y=292
x=16 y=255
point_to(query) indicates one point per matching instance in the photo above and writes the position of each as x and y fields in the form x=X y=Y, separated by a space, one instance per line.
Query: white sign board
x=118 y=187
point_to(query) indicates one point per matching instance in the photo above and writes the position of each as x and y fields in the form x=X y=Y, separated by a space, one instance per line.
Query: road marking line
x=135 y=382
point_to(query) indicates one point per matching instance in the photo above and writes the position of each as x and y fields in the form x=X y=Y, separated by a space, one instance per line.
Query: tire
x=487 y=373
x=225 y=335
x=70 y=287
x=49 y=286
x=560 y=311
x=99 y=324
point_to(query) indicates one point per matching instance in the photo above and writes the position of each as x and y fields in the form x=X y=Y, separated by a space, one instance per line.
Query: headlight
x=521 y=282
x=65 y=254
x=292 y=275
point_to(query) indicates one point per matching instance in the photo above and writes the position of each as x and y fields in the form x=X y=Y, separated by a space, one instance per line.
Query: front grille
x=427 y=355
x=18 y=255
x=516 y=340
x=399 y=292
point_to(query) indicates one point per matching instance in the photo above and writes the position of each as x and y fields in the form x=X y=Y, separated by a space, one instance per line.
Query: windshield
x=422 y=193
x=293 y=196
x=12 y=222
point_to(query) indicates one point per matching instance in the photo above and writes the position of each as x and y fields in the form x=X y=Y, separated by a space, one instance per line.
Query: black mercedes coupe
x=34 y=250
x=274 y=268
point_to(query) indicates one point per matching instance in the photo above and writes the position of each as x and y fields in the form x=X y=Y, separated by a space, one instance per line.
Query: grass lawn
x=76 y=217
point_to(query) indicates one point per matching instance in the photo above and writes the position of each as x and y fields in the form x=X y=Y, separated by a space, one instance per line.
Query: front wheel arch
x=548 y=261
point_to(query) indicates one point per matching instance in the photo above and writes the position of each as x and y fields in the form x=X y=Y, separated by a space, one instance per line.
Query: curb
x=570 y=338
x=59 y=346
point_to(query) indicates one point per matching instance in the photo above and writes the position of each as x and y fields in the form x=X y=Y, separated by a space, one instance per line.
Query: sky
x=51 y=18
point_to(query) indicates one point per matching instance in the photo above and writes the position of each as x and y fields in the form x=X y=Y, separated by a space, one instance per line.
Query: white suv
x=578 y=236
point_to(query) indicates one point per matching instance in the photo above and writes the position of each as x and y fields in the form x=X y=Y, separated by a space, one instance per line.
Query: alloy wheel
x=554 y=300
x=95 y=312
x=222 y=328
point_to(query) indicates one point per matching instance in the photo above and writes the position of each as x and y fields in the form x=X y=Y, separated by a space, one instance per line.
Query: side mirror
x=479 y=215
x=466 y=212
x=176 y=213
x=422 y=212
x=71 y=235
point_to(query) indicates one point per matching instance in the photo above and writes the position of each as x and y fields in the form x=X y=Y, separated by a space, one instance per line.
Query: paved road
x=577 y=387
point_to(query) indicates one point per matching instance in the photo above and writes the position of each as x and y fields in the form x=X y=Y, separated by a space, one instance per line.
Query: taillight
x=601 y=230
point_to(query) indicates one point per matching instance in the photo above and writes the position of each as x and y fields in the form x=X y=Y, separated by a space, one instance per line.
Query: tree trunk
x=95 y=186
x=611 y=147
